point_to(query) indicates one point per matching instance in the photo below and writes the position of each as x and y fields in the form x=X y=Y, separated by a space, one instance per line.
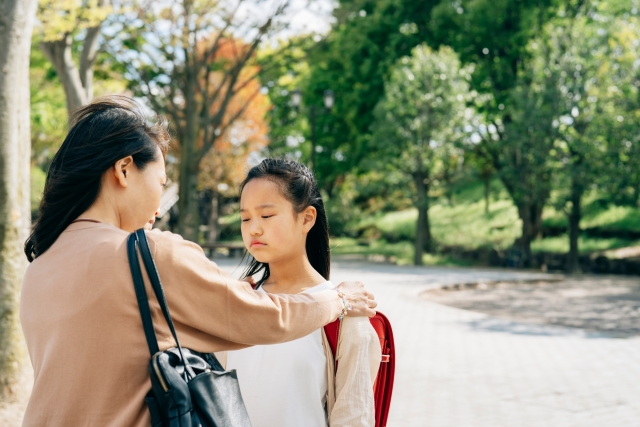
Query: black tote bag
x=188 y=388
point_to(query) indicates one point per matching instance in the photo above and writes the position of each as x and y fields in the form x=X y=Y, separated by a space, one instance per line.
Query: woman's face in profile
x=142 y=193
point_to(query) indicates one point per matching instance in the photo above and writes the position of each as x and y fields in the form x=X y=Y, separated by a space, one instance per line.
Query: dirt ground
x=609 y=305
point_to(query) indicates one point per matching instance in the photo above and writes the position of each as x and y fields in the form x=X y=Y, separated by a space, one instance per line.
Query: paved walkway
x=465 y=369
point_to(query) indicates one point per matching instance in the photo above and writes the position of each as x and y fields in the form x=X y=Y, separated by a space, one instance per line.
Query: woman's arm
x=358 y=357
x=213 y=311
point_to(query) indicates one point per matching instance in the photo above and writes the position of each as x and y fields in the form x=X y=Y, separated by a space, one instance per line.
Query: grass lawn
x=400 y=252
x=465 y=224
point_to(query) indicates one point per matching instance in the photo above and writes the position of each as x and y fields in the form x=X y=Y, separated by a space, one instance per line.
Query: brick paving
x=465 y=369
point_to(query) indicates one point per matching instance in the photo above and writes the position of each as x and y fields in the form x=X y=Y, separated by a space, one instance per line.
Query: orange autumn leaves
x=244 y=127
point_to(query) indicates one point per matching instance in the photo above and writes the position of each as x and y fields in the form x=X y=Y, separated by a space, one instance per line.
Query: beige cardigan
x=84 y=334
x=350 y=389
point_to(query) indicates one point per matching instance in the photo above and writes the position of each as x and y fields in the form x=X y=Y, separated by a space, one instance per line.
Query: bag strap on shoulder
x=156 y=284
x=150 y=265
x=141 y=295
x=154 y=277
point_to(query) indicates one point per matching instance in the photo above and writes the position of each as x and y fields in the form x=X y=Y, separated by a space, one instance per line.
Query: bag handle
x=156 y=284
x=141 y=296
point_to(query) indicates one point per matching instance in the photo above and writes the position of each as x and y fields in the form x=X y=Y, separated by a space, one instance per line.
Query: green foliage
x=61 y=17
x=38 y=178
x=354 y=60
x=493 y=35
x=284 y=69
x=421 y=117
x=48 y=108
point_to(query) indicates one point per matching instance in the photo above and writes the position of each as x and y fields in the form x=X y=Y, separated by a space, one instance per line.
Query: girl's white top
x=284 y=385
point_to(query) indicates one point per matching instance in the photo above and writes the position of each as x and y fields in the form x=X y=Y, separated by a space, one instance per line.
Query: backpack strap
x=332 y=331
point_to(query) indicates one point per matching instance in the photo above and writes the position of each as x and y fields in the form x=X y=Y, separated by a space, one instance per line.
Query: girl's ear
x=308 y=218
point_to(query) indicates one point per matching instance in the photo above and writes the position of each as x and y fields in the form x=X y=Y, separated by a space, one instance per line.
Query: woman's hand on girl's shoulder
x=362 y=302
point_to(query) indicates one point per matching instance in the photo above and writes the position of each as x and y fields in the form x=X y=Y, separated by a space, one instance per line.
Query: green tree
x=494 y=36
x=573 y=50
x=621 y=179
x=354 y=60
x=70 y=28
x=286 y=66
x=419 y=122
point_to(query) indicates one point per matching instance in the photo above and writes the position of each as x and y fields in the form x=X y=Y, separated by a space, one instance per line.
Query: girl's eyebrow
x=266 y=205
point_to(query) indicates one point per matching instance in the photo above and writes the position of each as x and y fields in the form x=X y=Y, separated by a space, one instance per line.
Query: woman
x=284 y=227
x=78 y=306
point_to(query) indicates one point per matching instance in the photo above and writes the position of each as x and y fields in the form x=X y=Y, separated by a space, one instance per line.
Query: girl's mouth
x=256 y=244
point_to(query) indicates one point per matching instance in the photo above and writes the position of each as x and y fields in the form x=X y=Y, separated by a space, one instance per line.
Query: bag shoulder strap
x=156 y=284
x=141 y=295
x=154 y=277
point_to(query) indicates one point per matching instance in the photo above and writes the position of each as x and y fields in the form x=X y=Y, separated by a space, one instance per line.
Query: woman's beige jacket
x=84 y=334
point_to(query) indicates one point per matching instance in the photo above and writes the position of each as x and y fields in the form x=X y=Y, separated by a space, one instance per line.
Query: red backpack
x=383 y=387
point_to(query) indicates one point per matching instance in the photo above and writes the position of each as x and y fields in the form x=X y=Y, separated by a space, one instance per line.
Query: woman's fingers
x=362 y=301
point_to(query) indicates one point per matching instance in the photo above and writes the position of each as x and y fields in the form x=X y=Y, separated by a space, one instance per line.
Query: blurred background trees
x=195 y=61
x=531 y=158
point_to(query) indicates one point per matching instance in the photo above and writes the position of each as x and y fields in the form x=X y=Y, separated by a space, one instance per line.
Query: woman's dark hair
x=299 y=186
x=103 y=132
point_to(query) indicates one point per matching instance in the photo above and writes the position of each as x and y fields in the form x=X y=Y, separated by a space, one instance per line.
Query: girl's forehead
x=261 y=192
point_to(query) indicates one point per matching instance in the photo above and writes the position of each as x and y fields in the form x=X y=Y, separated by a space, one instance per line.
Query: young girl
x=296 y=384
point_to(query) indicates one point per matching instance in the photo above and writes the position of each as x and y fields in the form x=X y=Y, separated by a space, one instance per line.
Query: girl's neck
x=292 y=276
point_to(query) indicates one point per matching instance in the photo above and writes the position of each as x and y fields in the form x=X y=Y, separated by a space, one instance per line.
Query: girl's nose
x=255 y=229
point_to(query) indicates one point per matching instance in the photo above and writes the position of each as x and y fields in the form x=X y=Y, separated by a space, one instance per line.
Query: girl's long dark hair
x=299 y=186
x=103 y=132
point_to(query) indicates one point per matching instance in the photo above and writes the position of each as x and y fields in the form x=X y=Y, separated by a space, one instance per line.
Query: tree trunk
x=423 y=230
x=76 y=82
x=59 y=54
x=573 y=265
x=531 y=216
x=188 y=203
x=214 y=215
x=16 y=23
x=487 y=194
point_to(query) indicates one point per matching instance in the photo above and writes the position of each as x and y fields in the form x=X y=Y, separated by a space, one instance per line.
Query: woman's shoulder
x=166 y=241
